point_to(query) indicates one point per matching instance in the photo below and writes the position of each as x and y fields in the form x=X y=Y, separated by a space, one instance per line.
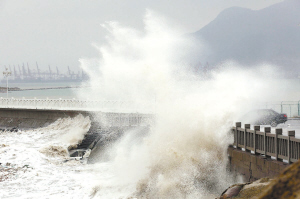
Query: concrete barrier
x=36 y=118
x=33 y=118
x=253 y=167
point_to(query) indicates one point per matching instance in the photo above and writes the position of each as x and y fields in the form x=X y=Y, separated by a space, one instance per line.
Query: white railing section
x=75 y=104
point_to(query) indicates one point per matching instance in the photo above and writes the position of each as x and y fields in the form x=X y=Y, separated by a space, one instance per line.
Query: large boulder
x=286 y=185
x=246 y=190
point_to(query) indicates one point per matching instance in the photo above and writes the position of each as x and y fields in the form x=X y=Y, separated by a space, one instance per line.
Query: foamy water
x=32 y=162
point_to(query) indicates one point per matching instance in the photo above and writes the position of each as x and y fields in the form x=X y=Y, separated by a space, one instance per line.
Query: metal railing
x=75 y=104
x=291 y=108
x=264 y=143
x=127 y=119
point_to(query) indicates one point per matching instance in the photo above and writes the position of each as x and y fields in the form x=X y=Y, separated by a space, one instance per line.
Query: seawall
x=253 y=167
x=36 y=118
x=33 y=118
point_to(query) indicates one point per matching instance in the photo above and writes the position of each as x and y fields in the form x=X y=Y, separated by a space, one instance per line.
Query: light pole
x=6 y=73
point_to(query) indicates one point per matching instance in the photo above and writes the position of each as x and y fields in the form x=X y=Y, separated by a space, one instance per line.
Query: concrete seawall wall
x=253 y=167
x=36 y=118
x=33 y=118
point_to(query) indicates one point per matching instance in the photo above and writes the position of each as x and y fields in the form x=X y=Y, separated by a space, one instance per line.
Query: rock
x=246 y=190
x=232 y=191
x=286 y=185
x=254 y=189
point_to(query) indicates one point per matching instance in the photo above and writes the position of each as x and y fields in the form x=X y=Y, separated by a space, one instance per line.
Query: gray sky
x=59 y=32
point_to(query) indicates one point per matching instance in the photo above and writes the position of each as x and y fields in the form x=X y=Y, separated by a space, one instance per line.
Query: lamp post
x=299 y=108
x=6 y=73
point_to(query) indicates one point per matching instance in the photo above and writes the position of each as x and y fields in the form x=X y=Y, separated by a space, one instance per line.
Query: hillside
x=250 y=37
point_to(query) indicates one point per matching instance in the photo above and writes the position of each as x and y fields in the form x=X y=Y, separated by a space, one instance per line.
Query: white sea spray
x=184 y=155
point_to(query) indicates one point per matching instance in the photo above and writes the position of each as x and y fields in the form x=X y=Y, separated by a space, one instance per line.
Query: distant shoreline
x=4 y=89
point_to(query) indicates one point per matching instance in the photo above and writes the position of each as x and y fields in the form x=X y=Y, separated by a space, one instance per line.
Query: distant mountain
x=248 y=36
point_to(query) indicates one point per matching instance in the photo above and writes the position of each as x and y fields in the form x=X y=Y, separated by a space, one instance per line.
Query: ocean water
x=32 y=162
x=65 y=93
x=35 y=164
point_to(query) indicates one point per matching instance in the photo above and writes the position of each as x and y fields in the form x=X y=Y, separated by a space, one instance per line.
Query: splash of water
x=184 y=156
x=33 y=162
x=63 y=133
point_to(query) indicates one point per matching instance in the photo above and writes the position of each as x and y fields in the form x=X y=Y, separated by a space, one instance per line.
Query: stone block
x=282 y=166
x=266 y=167
x=243 y=170
x=247 y=159
x=253 y=159
x=257 y=174
x=260 y=161
x=273 y=174
x=253 y=167
x=236 y=154
x=247 y=174
x=274 y=166
x=235 y=161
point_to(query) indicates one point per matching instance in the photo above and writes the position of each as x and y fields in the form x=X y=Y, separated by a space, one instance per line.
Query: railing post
x=290 y=134
x=237 y=125
x=247 y=126
x=256 y=128
x=277 y=132
x=267 y=130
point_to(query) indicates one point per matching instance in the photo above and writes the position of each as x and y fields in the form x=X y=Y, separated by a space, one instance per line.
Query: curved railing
x=75 y=104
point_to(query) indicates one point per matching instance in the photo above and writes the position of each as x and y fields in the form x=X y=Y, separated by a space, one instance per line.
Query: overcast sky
x=59 y=32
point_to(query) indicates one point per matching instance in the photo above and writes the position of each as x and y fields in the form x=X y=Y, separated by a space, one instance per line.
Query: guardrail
x=291 y=108
x=75 y=104
x=264 y=143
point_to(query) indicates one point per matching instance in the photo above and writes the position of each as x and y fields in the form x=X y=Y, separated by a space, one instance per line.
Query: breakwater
x=34 y=118
x=22 y=118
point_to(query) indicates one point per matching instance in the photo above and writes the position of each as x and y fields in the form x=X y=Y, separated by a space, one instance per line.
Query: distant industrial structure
x=26 y=74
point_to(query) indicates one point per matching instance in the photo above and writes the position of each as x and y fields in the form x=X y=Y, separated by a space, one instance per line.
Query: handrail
x=299 y=108
x=76 y=104
x=264 y=143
